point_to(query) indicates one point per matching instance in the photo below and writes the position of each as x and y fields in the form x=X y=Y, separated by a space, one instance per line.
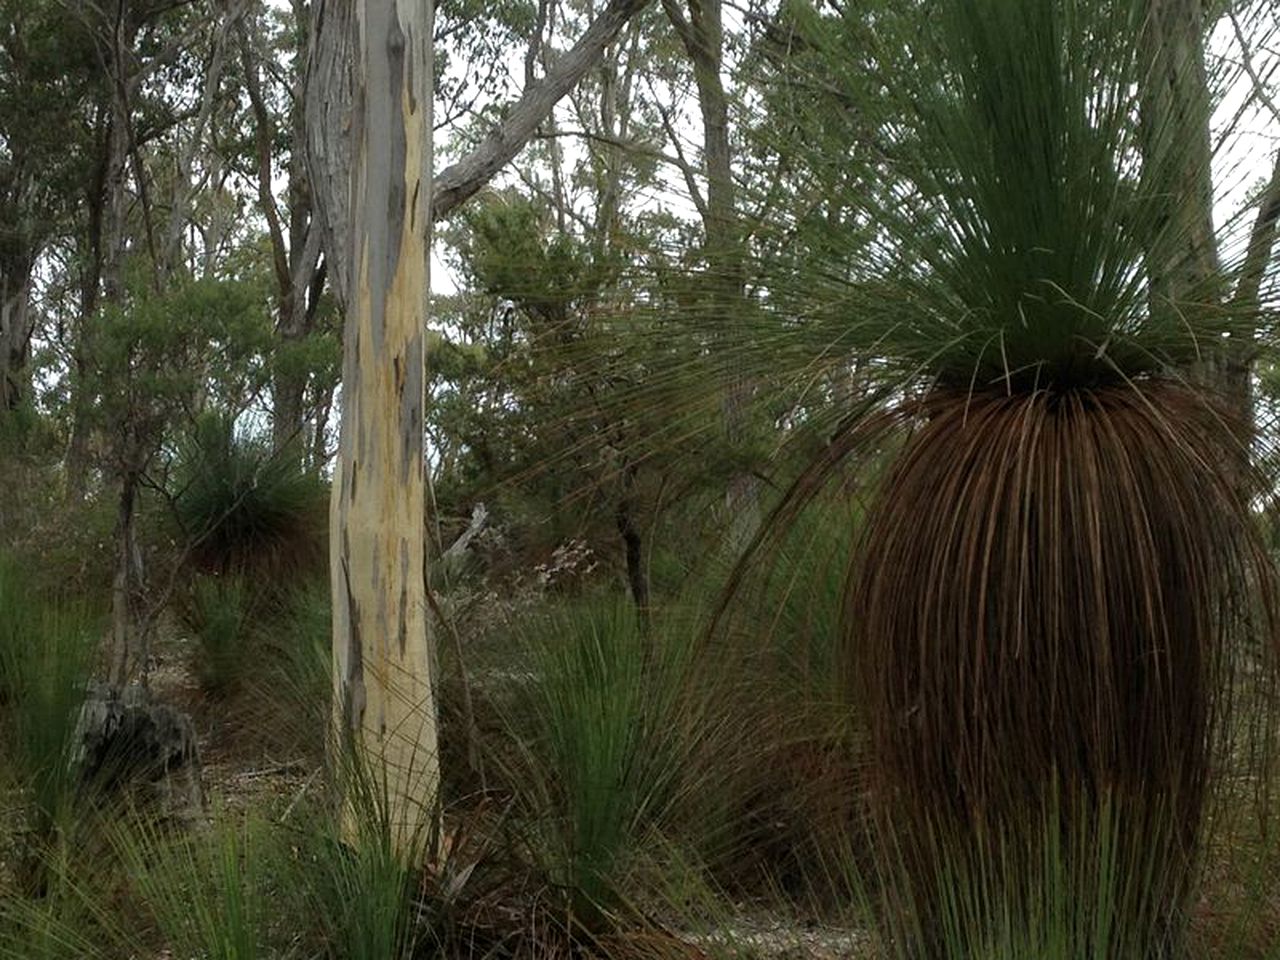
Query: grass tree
x=1060 y=570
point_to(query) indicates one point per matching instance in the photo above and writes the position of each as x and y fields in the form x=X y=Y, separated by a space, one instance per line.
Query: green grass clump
x=222 y=618
x=1063 y=886
x=46 y=658
x=207 y=891
x=609 y=744
x=362 y=877
x=295 y=687
x=63 y=923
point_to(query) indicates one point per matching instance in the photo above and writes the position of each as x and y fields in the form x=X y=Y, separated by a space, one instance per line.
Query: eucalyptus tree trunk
x=383 y=695
x=329 y=103
x=369 y=153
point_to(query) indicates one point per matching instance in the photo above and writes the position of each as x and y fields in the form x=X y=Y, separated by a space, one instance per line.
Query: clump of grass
x=63 y=923
x=206 y=891
x=608 y=744
x=221 y=616
x=46 y=657
x=295 y=686
x=363 y=875
x=1064 y=886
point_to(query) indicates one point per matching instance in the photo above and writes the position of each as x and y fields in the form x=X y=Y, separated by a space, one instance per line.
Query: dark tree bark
x=16 y=328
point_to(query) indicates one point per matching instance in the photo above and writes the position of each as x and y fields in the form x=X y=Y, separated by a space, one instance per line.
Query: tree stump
x=128 y=741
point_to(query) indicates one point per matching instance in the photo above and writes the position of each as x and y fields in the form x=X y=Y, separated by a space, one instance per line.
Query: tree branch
x=1261 y=242
x=463 y=179
x=264 y=131
x=1259 y=88
x=686 y=168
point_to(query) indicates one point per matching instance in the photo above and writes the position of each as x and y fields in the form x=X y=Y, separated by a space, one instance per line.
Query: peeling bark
x=383 y=694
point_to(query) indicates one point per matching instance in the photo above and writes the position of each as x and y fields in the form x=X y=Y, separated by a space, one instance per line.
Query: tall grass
x=46 y=657
x=206 y=890
x=294 y=688
x=364 y=879
x=608 y=743
x=1065 y=886
x=67 y=921
x=222 y=618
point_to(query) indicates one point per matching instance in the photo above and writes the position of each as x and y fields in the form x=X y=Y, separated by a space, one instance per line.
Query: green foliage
x=155 y=352
x=553 y=403
x=46 y=656
x=246 y=508
x=365 y=900
x=48 y=72
x=1071 y=888
x=207 y=891
x=62 y=548
x=610 y=743
x=367 y=893
x=295 y=685
x=221 y=616
x=64 y=923
x=1039 y=604
x=982 y=198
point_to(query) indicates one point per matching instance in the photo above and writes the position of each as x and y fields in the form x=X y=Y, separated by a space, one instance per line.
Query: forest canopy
x=639 y=478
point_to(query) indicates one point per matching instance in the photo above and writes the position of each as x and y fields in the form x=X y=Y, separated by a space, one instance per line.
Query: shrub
x=46 y=656
x=221 y=616
x=246 y=508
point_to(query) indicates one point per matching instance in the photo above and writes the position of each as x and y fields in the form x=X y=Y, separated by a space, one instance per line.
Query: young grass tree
x=1053 y=590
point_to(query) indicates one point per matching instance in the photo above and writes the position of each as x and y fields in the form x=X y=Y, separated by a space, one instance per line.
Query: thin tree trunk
x=1176 y=110
x=624 y=517
x=128 y=649
x=382 y=662
x=295 y=261
x=702 y=34
x=16 y=322
x=109 y=247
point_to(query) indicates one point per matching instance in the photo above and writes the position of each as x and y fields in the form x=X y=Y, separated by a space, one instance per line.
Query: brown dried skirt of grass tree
x=1049 y=607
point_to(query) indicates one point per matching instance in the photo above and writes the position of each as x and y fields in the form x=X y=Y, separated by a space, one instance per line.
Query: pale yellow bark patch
x=381 y=641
